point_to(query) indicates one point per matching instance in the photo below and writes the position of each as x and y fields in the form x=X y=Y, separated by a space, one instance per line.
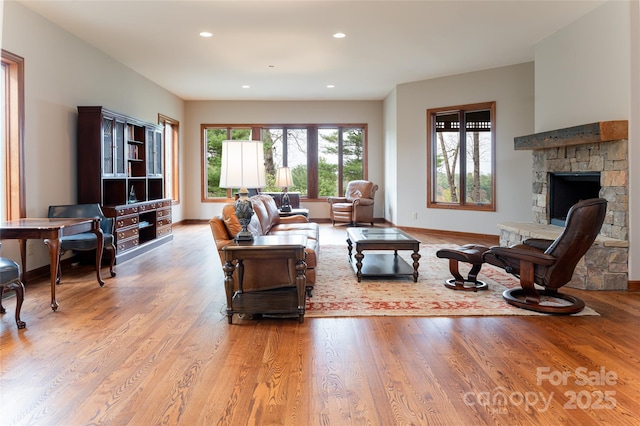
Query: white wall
x=391 y=157
x=265 y=112
x=634 y=144
x=512 y=89
x=584 y=75
x=62 y=72
x=583 y=70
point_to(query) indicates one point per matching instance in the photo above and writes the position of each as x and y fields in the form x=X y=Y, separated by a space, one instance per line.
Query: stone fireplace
x=579 y=154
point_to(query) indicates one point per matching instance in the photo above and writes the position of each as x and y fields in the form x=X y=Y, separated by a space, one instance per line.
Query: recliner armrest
x=523 y=253
x=363 y=202
x=539 y=243
x=333 y=200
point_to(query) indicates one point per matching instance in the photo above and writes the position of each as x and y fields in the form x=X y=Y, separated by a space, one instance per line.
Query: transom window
x=322 y=158
x=461 y=155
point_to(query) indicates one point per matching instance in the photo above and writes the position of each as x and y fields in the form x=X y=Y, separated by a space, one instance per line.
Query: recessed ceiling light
x=205 y=34
x=246 y=86
x=330 y=86
x=339 y=35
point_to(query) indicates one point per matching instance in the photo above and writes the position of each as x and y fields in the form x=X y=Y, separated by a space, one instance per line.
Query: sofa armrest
x=298 y=218
x=219 y=231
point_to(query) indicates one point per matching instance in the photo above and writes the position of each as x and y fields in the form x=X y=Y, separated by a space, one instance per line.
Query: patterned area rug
x=338 y=293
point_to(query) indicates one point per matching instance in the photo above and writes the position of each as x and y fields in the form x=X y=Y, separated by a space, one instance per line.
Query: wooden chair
x=550 y=263
x=356 y=205
x=10 y=280
x=87 y=240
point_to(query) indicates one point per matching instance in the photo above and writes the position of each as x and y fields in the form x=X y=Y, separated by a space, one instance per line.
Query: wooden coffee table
x=382 y=264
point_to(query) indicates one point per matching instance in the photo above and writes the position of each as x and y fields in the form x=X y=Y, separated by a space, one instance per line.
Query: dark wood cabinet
x=120 y=166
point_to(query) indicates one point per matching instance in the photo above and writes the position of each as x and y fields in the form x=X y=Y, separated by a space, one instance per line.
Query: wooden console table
x=51 y=230
x=286 y=300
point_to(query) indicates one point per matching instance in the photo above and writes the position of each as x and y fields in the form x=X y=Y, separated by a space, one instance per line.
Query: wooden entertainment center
x=120 y=166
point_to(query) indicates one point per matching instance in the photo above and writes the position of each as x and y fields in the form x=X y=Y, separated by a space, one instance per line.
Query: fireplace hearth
x=566 y=189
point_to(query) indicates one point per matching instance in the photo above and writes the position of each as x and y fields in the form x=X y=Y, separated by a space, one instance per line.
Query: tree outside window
x=322 y=158
x=461 y=151
x=212 y=151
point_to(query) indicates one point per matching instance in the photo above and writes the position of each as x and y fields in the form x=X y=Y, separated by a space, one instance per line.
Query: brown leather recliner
x=550 y=263
x=356 y=205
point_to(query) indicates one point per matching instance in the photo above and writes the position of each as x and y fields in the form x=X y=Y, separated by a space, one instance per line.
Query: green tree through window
x=461 y=151
x=322 y=158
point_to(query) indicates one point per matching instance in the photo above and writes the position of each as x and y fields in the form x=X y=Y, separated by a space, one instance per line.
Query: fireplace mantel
x=603 y=131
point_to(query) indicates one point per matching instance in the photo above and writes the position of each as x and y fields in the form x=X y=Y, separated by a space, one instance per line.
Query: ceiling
x=284 y=50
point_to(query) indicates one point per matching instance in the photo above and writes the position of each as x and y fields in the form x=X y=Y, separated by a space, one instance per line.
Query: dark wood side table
x=287 y=300
x=51 y=230
x=293 y=212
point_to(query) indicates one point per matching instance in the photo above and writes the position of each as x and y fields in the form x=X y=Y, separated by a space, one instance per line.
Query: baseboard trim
x=633 y=286
x=445 y=233
x=45 y=271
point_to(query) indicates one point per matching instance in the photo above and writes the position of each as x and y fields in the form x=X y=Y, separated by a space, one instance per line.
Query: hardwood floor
x=153 y=347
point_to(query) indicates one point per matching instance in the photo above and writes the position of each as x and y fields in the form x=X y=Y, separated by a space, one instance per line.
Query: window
x=322 y=158
x=212 y=138
x=171 y=164
x=12 y=127
x=461 y=155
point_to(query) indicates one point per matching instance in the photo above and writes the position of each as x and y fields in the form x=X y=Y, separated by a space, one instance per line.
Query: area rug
x=337 y=292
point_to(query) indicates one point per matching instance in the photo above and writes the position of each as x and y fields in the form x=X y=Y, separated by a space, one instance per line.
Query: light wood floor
x=153 y=347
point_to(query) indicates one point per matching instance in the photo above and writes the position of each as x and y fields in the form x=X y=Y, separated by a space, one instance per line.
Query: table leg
x=54 y=255
x=228 y=288
x=301 y=283
x=23 y=259
x=349 y=245
x=416 y=257
x=359 y=256
x=98 y=231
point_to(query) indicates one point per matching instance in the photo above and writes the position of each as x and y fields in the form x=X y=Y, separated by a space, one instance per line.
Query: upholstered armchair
x=87 y=240
x=549 y=264
x=10 y=280
x=356 y=205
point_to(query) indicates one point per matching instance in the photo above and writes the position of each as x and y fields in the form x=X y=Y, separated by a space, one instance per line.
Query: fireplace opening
x=566 y=189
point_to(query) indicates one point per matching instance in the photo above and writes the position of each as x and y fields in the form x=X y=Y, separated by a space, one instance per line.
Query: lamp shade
x=283 y=177
x=242 y=164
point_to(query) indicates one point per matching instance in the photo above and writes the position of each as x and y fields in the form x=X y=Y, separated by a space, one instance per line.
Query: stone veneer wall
x=608 y=158
x=605 y=266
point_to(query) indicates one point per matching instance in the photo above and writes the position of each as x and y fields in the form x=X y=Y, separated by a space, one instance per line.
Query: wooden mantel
x=603 y=131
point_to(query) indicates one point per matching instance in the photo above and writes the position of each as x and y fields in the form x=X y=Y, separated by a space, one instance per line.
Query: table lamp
x=284 y=180
x=242 y=167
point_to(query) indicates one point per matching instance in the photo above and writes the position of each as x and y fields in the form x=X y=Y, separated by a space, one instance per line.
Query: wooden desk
x=51 y=230
x=287 y=300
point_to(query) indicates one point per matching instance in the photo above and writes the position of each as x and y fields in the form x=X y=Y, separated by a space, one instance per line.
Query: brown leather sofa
x=356 y=205
x=262 y=274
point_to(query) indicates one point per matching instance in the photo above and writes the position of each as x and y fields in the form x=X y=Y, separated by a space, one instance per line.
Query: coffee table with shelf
x=285 y=300
x=382 y=264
